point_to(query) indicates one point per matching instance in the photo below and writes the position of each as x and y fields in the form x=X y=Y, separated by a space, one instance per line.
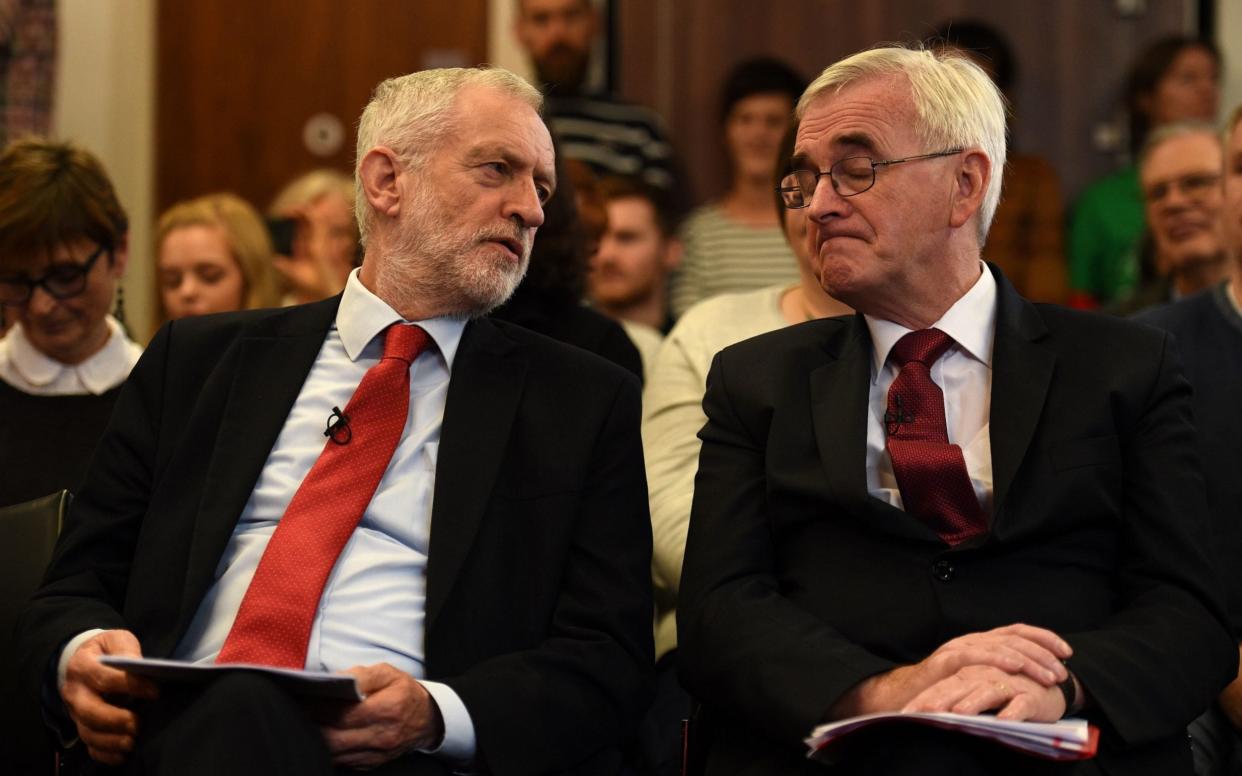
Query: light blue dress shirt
x=373 y=605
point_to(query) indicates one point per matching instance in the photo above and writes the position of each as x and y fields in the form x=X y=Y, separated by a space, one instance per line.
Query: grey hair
x=412 y=114
x=1166 y=132
x=958 y=105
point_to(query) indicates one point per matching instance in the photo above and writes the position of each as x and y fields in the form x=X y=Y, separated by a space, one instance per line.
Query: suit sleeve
x=588 y=682
x=85 y=583
x=745 y=647
x=1166 y=653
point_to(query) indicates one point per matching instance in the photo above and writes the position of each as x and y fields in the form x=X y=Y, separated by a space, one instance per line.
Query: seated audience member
x=549 y=298
x=1208 y=328
x=63 y=249
x=954 y=501
x=673 y=415
x=1180 y=170
x=1174 y=79
x=628 y=276
x=1028 y=232
x=736 y=243
x=502 y=626
x=601 y=130
x=325 y=241
x=213 y=255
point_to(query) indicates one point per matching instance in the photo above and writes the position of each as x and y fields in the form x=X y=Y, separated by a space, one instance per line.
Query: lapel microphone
x=338 y=427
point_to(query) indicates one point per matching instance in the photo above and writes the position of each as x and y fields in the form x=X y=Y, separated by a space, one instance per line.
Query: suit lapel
x=839 y=391
x=1022 y=370
x=272 y=363
x=487 y=382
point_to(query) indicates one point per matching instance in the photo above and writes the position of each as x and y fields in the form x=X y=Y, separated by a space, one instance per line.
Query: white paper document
x=1068 y=739
x=309 y=684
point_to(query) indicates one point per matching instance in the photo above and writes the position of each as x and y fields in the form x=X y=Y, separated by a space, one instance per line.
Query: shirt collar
x=363 y=315
x=971 y=322
x=98 y=374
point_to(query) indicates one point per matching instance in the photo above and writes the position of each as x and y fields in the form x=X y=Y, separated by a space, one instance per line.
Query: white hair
x=958 y=105
x=412 y=114
x=1166 y=132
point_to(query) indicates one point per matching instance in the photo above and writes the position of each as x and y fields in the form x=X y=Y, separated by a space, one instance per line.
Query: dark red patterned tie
x=931 y=473
x=274 y=622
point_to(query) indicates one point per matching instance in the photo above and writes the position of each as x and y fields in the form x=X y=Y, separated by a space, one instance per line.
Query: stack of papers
x=311 y=684
x=1069 y=739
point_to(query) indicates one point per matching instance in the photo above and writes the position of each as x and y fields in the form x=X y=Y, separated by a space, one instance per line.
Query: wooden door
x=238 y=83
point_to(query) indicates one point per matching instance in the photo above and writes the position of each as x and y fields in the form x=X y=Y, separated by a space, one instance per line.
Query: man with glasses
x=1208 y=328
x=956 y=500
x=1179 y=171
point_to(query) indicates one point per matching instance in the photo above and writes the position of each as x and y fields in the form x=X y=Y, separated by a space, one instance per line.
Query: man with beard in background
x=477 y=563
x=608 y=134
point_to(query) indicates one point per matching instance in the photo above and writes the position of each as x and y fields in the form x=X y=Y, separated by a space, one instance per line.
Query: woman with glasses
x=736 y=243
x=63 y=250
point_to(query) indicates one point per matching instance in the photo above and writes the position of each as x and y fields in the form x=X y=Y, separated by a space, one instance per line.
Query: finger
x=1043 y=637
x=373 y=678
x=984 y=697
x=342 y=741
x=117 y=744
x=106 y=756
x=91 y=711
x=939 y=697
x=986 y=653
x=1040 y=664
x=1021 y=708
x=105 y=680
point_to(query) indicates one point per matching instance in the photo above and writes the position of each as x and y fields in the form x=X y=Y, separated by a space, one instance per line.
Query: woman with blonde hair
x=213 y=255
x=325 y=239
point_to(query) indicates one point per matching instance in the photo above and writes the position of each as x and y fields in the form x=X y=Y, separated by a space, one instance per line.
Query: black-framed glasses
x=62 y=281
x=850 y=176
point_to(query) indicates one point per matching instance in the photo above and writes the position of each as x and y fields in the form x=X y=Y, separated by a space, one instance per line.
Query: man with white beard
x=273 y=483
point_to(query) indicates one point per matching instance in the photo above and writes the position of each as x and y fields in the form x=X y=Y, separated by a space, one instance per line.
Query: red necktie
x=931 y=473
x=273 y=625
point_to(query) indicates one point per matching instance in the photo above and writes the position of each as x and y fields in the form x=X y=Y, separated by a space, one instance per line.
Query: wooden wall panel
x=1072 y=54
x=238 y=80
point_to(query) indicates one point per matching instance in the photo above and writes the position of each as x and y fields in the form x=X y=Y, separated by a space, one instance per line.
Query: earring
x=118 y=311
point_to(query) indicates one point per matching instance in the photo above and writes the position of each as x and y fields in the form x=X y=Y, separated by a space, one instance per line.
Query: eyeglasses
x=1193 y=186
x=850 y=176
x=62 y=281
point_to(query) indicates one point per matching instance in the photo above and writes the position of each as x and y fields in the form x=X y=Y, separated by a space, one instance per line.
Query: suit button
x=943 y=570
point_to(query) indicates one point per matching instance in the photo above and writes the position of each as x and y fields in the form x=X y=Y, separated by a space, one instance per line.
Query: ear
x=378 y=174
x=120 y=256
x=973 y=176
x=672 y=254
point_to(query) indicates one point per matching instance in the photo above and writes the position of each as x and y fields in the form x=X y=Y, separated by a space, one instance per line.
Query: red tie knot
x=924 y=345
x=404 y=342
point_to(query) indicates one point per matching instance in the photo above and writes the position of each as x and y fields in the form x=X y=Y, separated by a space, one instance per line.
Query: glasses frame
x=1192 y=186
x=83 y=270
x=831 y=172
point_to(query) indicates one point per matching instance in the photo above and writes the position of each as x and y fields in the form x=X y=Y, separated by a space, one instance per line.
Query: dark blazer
x=798 y=584
x=538 y=575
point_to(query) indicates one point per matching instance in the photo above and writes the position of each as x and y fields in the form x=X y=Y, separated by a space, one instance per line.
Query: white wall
x=502 y=47
x=105 y=101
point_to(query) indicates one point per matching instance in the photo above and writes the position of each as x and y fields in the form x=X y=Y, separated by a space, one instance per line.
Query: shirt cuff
x=71 y=646
x=457 y=750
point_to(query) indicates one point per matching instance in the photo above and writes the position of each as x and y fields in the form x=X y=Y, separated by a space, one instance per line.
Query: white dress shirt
x=964 y=373
x=373 y=604
x=27 y=369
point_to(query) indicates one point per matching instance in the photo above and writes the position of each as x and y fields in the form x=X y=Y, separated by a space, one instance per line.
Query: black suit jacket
x=798 y=584
x=538 y=575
